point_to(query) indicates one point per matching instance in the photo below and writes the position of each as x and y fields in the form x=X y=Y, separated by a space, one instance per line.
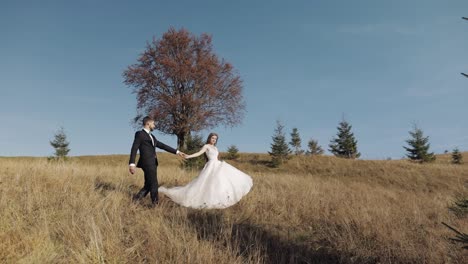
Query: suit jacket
x=143 y=143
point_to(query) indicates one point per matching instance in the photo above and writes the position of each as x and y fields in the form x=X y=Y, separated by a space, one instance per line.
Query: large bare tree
x=184 y=86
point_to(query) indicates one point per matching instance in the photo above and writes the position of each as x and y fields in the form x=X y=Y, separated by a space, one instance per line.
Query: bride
x=219 y=185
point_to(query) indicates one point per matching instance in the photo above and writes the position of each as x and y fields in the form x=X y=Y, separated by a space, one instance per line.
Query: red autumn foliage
x=184 y=86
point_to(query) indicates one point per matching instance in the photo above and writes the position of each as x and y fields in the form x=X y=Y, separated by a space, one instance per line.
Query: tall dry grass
x=312 y=210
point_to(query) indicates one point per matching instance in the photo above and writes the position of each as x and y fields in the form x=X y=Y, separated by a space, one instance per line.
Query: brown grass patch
x=312 y=210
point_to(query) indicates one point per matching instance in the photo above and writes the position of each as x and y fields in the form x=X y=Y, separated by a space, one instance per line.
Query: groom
x=146 y=143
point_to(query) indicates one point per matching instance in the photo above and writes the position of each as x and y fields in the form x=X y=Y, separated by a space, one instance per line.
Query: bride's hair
x=209 y=137
x=208 y=142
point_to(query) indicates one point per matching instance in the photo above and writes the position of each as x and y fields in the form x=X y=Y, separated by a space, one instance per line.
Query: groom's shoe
x=154 y=204
x=140 y=195
x=137 y=199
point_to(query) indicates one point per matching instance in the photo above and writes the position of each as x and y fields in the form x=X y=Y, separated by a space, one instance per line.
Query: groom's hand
x=132 y=169
x=180 y=153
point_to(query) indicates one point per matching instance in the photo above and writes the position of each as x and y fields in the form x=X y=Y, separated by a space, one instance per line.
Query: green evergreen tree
x=344 y=145
x=60 y=144
x=418 y=149
x=232 y=153
x=296 y=142
x=314 y=148
x=194 y=144
x=457 y=157
x=279 y=148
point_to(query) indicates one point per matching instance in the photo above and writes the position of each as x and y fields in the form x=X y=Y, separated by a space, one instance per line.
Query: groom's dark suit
x=148 y=162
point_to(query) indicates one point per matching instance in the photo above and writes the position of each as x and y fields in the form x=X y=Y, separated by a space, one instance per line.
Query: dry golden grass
x=312 y=210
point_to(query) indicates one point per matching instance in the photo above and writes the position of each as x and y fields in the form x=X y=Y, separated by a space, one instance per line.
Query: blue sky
x=383 y=65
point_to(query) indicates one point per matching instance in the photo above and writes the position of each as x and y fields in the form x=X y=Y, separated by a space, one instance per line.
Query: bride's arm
x=202 y=150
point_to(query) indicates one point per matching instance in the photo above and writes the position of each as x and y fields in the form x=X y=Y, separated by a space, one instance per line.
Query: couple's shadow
x=247 y=238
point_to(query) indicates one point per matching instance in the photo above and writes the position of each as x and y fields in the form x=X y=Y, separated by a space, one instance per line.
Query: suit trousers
x=151 y=184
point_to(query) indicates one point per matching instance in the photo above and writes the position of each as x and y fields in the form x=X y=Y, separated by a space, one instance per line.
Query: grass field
x=312 y=210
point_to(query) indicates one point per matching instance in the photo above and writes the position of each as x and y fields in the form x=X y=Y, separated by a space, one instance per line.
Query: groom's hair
x=147 y=119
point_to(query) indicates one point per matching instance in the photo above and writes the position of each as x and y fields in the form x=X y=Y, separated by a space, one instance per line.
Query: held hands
x=183 y=155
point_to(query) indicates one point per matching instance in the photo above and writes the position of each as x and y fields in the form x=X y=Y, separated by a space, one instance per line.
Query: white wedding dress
x=219 y=185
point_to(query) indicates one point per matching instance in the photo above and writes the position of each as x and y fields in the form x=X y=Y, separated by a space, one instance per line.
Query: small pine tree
x=60 y=144
x=418 y=149
x=232 y=153
x=314 y=148
x=194 y=144
x=296 y=142
x=279 y=148
x=457 y=157
x=344 y=145
x=460 y=206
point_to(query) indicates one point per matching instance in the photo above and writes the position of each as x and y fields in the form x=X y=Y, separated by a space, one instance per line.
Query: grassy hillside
x=312 y=210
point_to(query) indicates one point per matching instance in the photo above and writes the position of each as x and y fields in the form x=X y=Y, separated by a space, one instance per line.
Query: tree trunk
x=181 y=137
x=181 y=141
